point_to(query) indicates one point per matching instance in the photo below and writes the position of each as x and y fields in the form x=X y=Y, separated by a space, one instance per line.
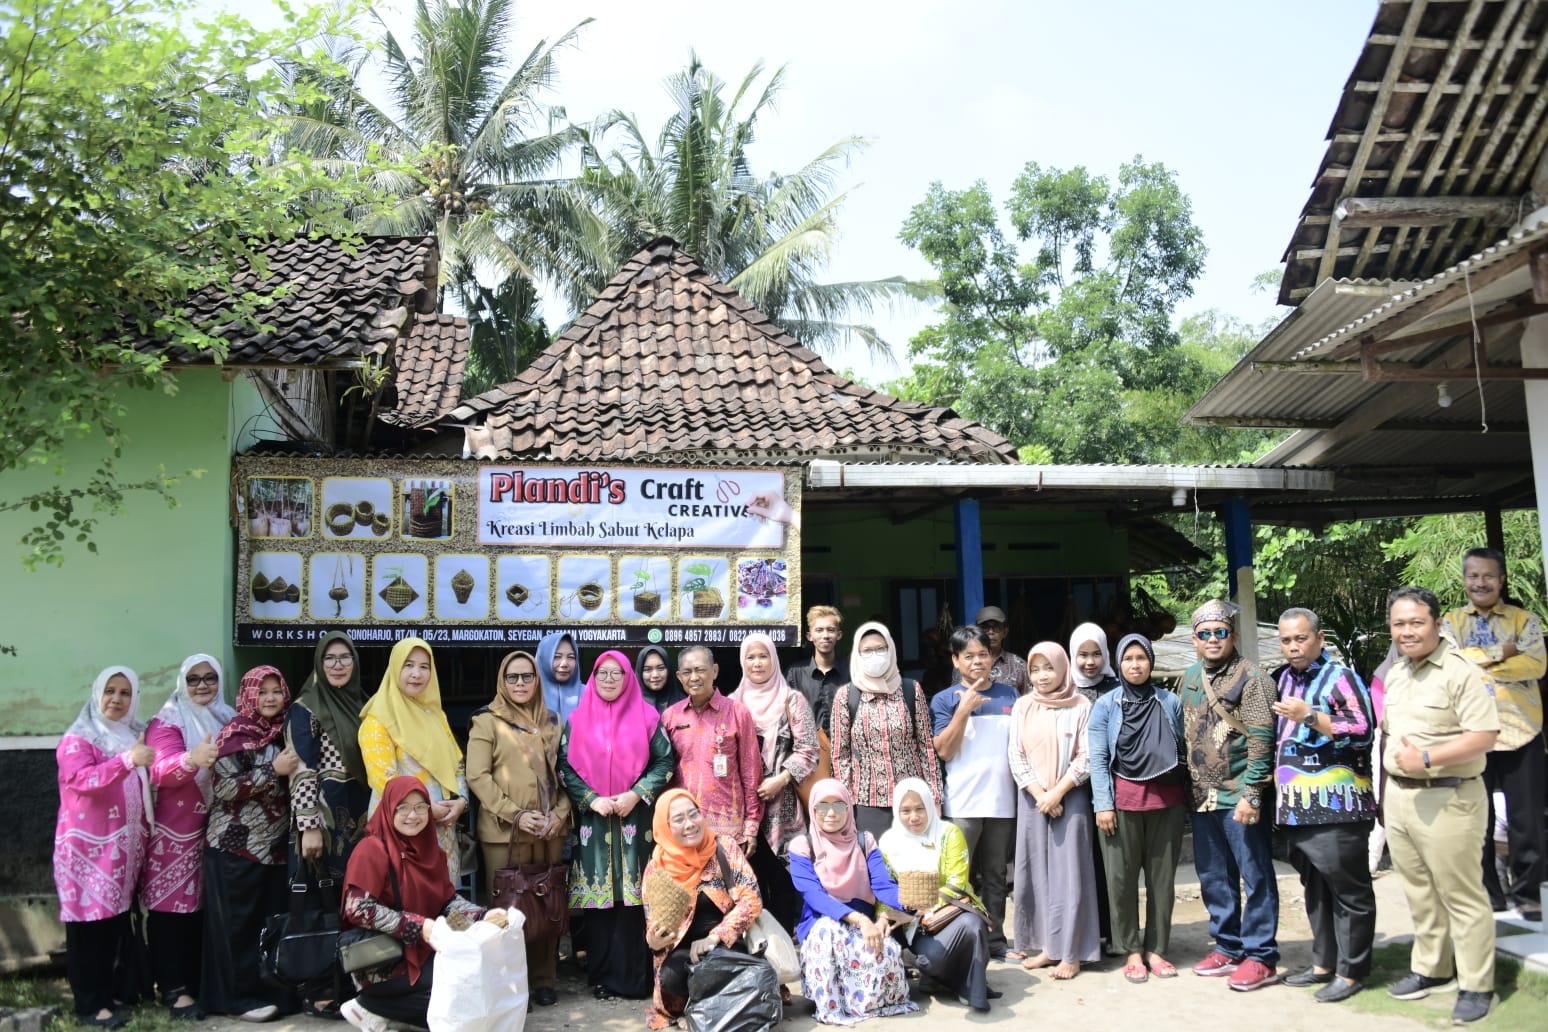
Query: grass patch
x=1523 y=995
x=22 y=992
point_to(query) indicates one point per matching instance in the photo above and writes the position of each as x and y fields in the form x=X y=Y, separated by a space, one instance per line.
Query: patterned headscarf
x=1216 y=611
x=250 y=731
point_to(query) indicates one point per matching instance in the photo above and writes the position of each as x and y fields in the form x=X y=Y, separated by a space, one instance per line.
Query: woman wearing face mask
x=403 y=730
x=957 y=956
x=661 y=689
x=99 y=840
x=1056 y=888
x=1094 y=677
x=878 y=737
x=513 y=757
x=851 y=967
x=787 y=740
x=615 y=759
x=183 y=735
x=721 y=910
x=1141 y=798
x=558 y=661
x=244 y=858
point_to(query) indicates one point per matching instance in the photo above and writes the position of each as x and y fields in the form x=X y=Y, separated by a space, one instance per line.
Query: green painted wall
x=159 y=587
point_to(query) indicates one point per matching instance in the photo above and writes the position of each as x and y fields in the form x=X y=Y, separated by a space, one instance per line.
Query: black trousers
x=92 y=950
x=176 y=942
x=1519 y=774
x=1340 y=902
x=399 y=1000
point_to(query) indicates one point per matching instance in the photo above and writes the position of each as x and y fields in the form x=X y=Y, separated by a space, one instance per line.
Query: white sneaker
x=358 y=1016
x=268 y=1012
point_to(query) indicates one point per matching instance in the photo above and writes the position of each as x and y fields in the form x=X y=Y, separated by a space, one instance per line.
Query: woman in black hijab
x=654 y=669
x=1140 y=795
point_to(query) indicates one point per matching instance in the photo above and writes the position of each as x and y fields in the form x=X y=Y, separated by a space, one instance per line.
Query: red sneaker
x=1215 y=964
x=1253 y=974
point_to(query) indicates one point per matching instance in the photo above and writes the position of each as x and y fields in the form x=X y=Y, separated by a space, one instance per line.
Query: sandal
x=1163 y=969
x=1013 y=956
x=1136 y=973
x=328 y=1012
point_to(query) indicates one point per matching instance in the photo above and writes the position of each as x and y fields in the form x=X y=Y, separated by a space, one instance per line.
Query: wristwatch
x=1310 y=720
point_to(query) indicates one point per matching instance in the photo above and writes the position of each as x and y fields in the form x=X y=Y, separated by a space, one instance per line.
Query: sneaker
x=1253 y=974
x=1415 y=986
x=268 y=1012
x=1338 y=990
x=1310 y=976
x=1471 y=1006
x=1215 y=964
x=359 y=1017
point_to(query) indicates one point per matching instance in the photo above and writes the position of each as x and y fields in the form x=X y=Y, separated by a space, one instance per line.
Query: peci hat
x=994 y=613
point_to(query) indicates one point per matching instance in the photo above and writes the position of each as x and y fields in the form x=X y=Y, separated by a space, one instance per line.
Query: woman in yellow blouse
x=403 y=731
x=956 y=956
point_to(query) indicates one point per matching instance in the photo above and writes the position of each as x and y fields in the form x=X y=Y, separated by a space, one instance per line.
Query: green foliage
x=1430 y=554
x=140 y=166
x=769 y=236
x=507 y=333
x=1063 y=336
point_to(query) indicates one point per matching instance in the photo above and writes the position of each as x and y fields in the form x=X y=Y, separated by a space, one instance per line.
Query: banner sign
x=484 y=553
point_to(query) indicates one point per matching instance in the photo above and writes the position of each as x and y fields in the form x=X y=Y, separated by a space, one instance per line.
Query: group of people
x=867 y=817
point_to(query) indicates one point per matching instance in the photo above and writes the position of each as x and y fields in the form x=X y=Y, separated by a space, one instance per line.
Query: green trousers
x=1148 y=841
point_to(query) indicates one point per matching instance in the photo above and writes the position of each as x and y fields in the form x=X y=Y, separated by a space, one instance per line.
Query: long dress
x=385 y=760
x=608 y=858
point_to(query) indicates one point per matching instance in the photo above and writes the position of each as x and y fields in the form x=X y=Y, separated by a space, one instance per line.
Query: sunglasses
x=520 y=678
x=1218 y=633
x=195 y=680
x=826 y=808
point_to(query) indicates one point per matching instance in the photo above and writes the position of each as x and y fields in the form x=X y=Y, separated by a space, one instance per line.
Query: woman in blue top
x=1140 y=794
x=558 y=663
x=851 y=967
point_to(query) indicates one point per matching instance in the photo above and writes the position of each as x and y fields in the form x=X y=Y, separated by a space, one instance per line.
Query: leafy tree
x=1430 y=552
x=140 y=166
x=769 y=236
x=1059 y=332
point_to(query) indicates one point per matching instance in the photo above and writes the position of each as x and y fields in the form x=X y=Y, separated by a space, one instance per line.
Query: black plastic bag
x=732 y=992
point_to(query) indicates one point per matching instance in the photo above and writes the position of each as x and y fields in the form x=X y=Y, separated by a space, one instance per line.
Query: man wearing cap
x=1326 y=804
x=1004 y=667
x=1438 y=724
x=1228 y=729
x=1507 y=641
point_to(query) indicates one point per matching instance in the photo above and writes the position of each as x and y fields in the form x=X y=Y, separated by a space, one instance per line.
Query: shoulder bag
x=361 y=949
x=954 y=902
x=539 y=891
x=766 y=937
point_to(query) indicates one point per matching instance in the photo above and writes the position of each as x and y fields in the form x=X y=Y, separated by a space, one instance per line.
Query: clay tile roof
x=339 y=303
x=671 y=364
x=429 y=363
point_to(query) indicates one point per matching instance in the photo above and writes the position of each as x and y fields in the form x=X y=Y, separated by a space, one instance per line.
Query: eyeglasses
x=875 y=652
x=822 y=809
x=610 y=674
x=413 y=810
x=682 y=820
x=195 y=680
x=1218 y=633
x=343 y=660
x=520 y=678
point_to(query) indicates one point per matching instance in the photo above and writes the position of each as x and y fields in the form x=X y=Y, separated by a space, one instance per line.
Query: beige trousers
x=1433 y=834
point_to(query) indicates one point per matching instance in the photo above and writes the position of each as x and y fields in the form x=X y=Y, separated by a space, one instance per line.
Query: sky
x=1235 y=97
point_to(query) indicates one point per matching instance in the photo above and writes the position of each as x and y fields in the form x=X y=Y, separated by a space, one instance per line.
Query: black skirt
x=617 y=958
x=239 y=896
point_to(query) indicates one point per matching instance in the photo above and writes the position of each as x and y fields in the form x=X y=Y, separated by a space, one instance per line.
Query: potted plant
x=646 y=603
x=707 y=601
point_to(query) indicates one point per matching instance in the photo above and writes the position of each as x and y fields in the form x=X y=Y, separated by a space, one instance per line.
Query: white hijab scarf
x=890 y=680
x=195 y=721
x=113 y=737
x=1082 y=634
x=904 y=850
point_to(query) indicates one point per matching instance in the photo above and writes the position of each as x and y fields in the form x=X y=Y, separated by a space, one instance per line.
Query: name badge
x=722 y=767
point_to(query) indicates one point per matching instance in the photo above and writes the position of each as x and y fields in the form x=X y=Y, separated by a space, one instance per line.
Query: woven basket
x=708 y=603
x=589 y=596
x=399 y=594
x=340 y=519
x=365 y=512
x=647 y=603
x=669 y=901
x=260 y=587
x=518 y=594
x=381 y=523
x=462 y=586
x=919 y=890
x=292 y=593
x=277 y=588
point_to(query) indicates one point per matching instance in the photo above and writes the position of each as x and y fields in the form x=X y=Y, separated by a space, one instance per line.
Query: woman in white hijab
x=183 y=734
x=1091 y=667
x=928 y=855
x=99 y=840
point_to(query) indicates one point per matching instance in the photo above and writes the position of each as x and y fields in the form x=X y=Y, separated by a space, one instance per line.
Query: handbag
x=299 y=946
x=541 y=892
x=360 y=949
x=954 y=902
x=766 y=937
x=824 y=768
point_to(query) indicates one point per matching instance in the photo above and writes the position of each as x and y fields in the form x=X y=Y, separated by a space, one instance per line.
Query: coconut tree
x=769 y=236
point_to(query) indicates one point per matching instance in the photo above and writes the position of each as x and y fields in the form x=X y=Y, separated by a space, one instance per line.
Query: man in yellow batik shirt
x=1507 y=641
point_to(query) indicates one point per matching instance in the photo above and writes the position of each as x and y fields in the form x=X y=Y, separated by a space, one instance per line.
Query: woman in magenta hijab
x=615 y=760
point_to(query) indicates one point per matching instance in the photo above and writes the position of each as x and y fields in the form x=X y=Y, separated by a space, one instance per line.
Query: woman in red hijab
x=398 y=883
x=615 y=760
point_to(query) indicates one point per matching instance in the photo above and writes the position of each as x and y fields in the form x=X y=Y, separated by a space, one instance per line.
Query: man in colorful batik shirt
x=716 y=744
x=1507 y=641
x=1326 y=803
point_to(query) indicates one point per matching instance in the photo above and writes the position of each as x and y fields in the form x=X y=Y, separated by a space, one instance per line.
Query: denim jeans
x=1230 y=857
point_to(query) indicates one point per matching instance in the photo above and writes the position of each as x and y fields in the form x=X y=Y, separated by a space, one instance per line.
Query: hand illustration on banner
x=770 y=505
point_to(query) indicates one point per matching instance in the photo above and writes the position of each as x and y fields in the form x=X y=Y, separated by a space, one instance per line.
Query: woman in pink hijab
x=615 y=760
x=851 y=966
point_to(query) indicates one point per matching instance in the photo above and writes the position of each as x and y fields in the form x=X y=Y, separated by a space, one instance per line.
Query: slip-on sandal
x=1135 y=973
x=1163 y=969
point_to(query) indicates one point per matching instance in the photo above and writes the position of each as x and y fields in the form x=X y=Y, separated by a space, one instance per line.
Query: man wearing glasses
x=1228 y=727
x=716 y=744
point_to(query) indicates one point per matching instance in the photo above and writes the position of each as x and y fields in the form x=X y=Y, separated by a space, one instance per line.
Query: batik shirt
x=1481 y=638
x=1225 y=765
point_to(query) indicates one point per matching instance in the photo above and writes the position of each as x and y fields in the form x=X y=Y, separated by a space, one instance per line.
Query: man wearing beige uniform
x=1439 y=723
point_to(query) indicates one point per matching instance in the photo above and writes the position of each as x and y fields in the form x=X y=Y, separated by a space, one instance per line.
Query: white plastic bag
x=766 y=938
x=480 y=977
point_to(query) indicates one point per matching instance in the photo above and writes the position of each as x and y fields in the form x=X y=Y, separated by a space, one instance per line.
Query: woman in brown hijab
x=513 y=748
